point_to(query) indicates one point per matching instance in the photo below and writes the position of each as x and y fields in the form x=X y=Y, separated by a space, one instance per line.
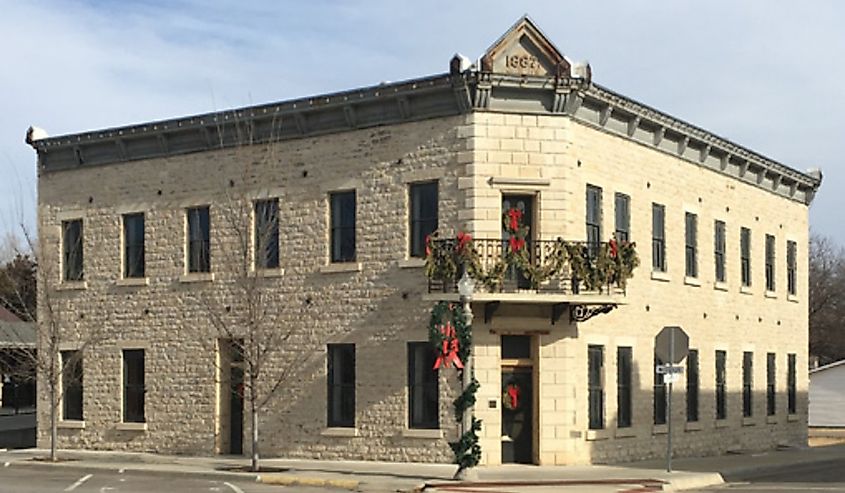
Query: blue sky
x=764 y=73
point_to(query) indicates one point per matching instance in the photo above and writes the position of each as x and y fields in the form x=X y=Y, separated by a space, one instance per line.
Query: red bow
x=614 y=248
x=449 y=350
x=513 y=393
x=428 y=245
x=515 y=216
x=463 y=241
x=516 y=243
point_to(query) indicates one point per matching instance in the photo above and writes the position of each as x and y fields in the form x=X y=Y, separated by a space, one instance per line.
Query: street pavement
x=817 y=476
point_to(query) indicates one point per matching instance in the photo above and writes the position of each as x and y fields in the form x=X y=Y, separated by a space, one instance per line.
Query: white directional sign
x=669 y=369
x=671 y=377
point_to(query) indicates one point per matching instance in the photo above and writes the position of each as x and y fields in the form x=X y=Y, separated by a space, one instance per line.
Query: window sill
x=771 y=420
x=341 y=267
x=749 y=421
x=792 y=297
x=722 y=423
x=657 y=275
x=72 y=286
x=593 y=435
x=131 y=427
x=411 y=263
x=692 y=426
x=771 y=294
x=659 y=429
x=197 y=277
x=133 y=282
x=692 y=281
x=746 y=290
x=720 y=286
x=276 y=272
x=627 y=432
x=792 y=417
x=70 y=425
x=340 y=432
x=420 y=433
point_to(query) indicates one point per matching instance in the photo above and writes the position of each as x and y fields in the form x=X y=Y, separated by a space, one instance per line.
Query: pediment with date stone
x=524 y=50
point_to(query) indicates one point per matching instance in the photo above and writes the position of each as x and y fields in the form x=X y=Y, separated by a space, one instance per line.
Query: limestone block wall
x=374 y=302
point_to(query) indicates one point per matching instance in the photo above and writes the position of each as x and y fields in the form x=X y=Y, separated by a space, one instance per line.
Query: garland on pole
x=451 y=339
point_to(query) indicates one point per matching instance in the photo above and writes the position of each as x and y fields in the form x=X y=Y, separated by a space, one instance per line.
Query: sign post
x=671 y=346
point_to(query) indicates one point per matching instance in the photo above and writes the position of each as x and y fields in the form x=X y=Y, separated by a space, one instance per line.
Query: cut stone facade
x=431 y=130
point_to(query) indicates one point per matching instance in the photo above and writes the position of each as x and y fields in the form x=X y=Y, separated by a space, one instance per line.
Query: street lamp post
x=466 y=288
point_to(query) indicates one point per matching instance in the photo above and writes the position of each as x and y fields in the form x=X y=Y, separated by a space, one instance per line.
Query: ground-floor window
x=624 y=363
x=692 y=385
x=747 y=383
x=423 y=388
x=659 y=395
x=71 y=386
x=133 y=386
x=341 y=385
x=791 y=396
x=770 y=384
x=595 y=366
x=721 y=384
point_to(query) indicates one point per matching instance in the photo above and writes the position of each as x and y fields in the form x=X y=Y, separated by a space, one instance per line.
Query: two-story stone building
x=136 y=224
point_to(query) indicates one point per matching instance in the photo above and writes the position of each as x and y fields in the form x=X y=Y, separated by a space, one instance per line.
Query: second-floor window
x=745 y=255
x=791 y=279
x=72 y=250
x=623 y=217
x=770 y=263
x=343 y=226
x=691 y=242
x=266 y=240
x=423 y=215
x=593 y=217
x=133 y=246
x=199 y=240
x=719 y=250
x=658 y=237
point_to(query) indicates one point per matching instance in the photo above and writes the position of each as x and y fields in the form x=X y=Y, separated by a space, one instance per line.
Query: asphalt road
x=820 y=476
x=32 y=480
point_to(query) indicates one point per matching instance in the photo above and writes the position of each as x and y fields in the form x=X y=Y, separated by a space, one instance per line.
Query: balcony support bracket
x=582 y=313
x=489 y=309
x=557 y=311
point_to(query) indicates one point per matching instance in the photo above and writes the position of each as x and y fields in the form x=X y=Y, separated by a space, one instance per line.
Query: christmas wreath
x=511 y=397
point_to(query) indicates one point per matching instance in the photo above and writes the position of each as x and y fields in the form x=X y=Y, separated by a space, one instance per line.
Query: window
x=624 y=363
x=770 y=384
x=341 y=383
x=719 y=250
x=659 y=395
x=791 y=397
x=658 y=238
x=133 y=386
x=72 y=250
x=692 y=385
x=770 y=263
x=199 y=240
x=745 y=255
x=593 y=218
x=595 y=364
x=266 y=241
x=691 y=240
x=791 y=286
x=72 y=386
x=343 y=226
x=423 y=202
x=721 y=384
x=133 y=246
x=623 y=218
x=423 y=389
x=747 y=383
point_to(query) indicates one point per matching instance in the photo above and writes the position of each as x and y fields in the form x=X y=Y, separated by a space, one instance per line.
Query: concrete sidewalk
x=384 y=476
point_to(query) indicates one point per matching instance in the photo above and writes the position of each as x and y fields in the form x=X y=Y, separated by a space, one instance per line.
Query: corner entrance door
x=524 y=204
x=517 y=415
x=230 y=414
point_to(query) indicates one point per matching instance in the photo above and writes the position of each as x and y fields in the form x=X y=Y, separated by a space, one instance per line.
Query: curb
x=346 y=484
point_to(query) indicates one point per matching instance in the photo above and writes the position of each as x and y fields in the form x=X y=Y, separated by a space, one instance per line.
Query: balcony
x=586 y=278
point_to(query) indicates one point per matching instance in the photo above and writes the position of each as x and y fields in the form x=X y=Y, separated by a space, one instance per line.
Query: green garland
x=466 y=449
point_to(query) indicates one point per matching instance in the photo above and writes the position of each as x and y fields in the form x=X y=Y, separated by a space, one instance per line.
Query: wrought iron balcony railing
x=552 y=266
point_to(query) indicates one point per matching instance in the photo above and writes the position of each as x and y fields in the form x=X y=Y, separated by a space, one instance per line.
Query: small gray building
x=827 y=395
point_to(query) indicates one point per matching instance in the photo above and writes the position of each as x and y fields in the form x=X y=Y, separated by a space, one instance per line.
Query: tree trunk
x=255 y=467
x=54 y=424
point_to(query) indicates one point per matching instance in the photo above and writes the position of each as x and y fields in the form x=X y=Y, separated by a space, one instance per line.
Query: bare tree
x=271 y=352
x=52 y=327
x=827 y=299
